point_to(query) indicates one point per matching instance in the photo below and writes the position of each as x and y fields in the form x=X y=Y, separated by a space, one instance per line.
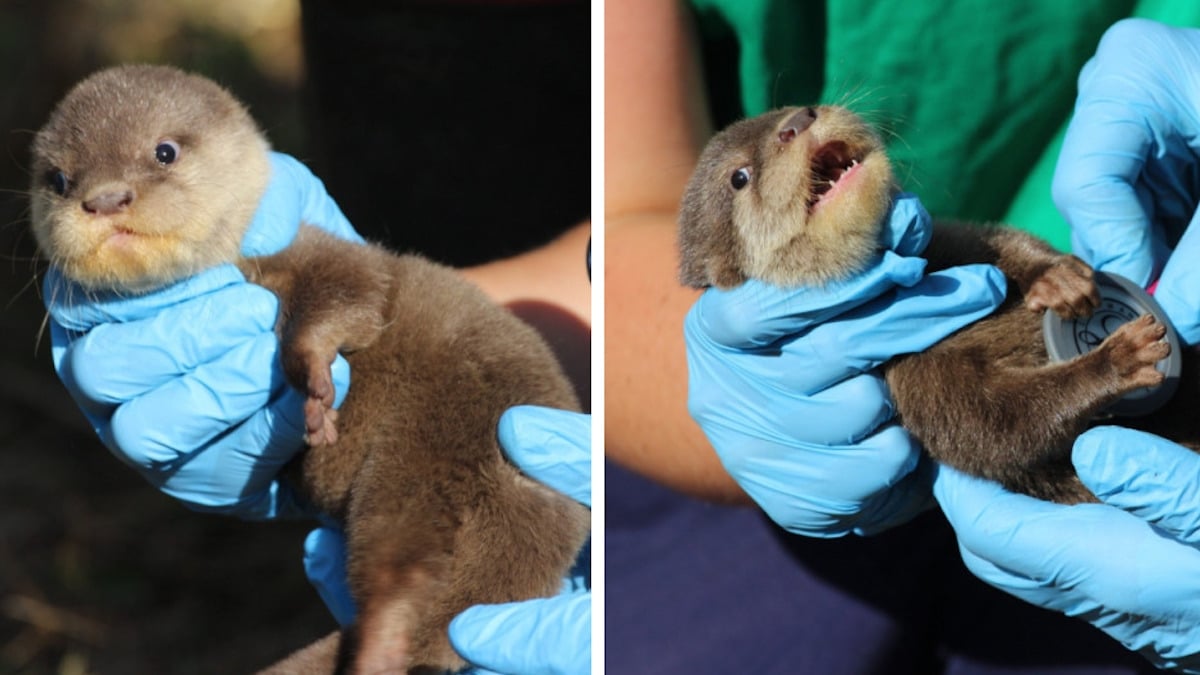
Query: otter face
x=145 y=175
x=793 y=197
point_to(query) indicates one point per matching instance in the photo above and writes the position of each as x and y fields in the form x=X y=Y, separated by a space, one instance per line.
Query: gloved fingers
x=1030 y=590
x=987 y=518
x=1148 y=476
x=199 y=405
x=900 y=503
x=550 y=636
x=756 y=315
x=906 y=321
x=293 y=196
x=325 y=567
x=97 y=414
x=799 y=458
x=1103 y=153
x=1110 y=558
x=275 y=498
x=908 y=228
x=820 y=490
x=1126 y=171
x=115 y=362
x=1176 y=290
x=79 y=310
x=1162 y=73
x=552 y=446
x=843 y=413
x=235 y=472
x=852 y=473
x=1102 y=565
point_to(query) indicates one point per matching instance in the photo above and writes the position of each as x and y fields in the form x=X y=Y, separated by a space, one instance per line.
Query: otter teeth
x=829 y=163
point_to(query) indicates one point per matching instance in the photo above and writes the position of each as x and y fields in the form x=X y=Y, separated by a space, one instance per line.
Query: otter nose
x=109 y=201
x=797 y=123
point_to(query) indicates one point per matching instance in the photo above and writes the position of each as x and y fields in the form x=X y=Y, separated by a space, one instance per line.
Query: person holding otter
x=823 y=463
x=1126 y=182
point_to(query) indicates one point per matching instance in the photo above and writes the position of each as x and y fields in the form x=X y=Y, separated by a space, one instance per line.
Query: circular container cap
x=1121 y=301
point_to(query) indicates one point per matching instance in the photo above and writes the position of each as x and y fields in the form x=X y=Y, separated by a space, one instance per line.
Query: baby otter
x=145 y=175
x=797 y=196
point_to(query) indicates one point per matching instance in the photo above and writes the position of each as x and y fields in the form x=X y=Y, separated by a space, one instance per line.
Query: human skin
x=548 y=287
x=656 y=124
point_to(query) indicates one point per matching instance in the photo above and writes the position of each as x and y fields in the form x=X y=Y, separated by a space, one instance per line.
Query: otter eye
x=740 y=178
x=166 y=152
x=58 y=181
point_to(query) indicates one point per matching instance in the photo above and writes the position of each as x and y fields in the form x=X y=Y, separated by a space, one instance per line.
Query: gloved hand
x=784 y=385
x=548 y=635
x=184 y=384
x=1128 y=179
x=1129 y=566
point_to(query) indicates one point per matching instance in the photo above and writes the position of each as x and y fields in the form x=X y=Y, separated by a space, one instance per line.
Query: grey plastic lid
x=1121 y=301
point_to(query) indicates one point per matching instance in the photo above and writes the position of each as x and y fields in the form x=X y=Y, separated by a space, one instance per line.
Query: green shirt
x=972 y=96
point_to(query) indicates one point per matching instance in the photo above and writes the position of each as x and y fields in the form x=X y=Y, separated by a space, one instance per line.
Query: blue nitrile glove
x=1128 y=179
x=784 y=386
x=549 y=636
x=184 y=384
x=1129 y=566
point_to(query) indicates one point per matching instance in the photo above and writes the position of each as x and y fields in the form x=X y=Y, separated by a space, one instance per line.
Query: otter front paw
x=1134 y=349
x=310 y=375
x=1067 y=287
x=320 y=423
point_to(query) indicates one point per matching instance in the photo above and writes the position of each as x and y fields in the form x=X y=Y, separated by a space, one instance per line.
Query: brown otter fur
x=797 y=196
x=436 y=519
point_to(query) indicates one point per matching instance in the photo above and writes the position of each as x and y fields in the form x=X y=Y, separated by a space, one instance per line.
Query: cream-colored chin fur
x=833 y=242
x=176 y=229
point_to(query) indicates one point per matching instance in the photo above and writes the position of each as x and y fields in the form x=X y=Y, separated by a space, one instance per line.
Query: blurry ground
x=98 y=572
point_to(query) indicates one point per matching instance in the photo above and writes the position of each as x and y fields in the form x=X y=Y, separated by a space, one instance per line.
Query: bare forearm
x=647 y=425
x=655 y=124
x=549 y=289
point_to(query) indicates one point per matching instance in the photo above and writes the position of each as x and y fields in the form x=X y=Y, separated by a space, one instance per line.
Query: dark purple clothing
x=694 y=588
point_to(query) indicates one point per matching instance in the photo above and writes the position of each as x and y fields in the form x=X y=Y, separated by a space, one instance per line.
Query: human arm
x=655 y=125
x=1128 y=565
x=549 y=288
x=545 y=635
x=1127 y=179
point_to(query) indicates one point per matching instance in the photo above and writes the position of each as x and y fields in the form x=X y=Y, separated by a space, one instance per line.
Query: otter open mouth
x=830 y=162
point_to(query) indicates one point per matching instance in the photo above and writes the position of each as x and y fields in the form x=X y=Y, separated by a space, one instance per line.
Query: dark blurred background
x=458 y=129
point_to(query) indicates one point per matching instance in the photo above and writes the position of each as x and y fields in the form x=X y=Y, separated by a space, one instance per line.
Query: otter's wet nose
x=796 y=124
x=109 y=202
